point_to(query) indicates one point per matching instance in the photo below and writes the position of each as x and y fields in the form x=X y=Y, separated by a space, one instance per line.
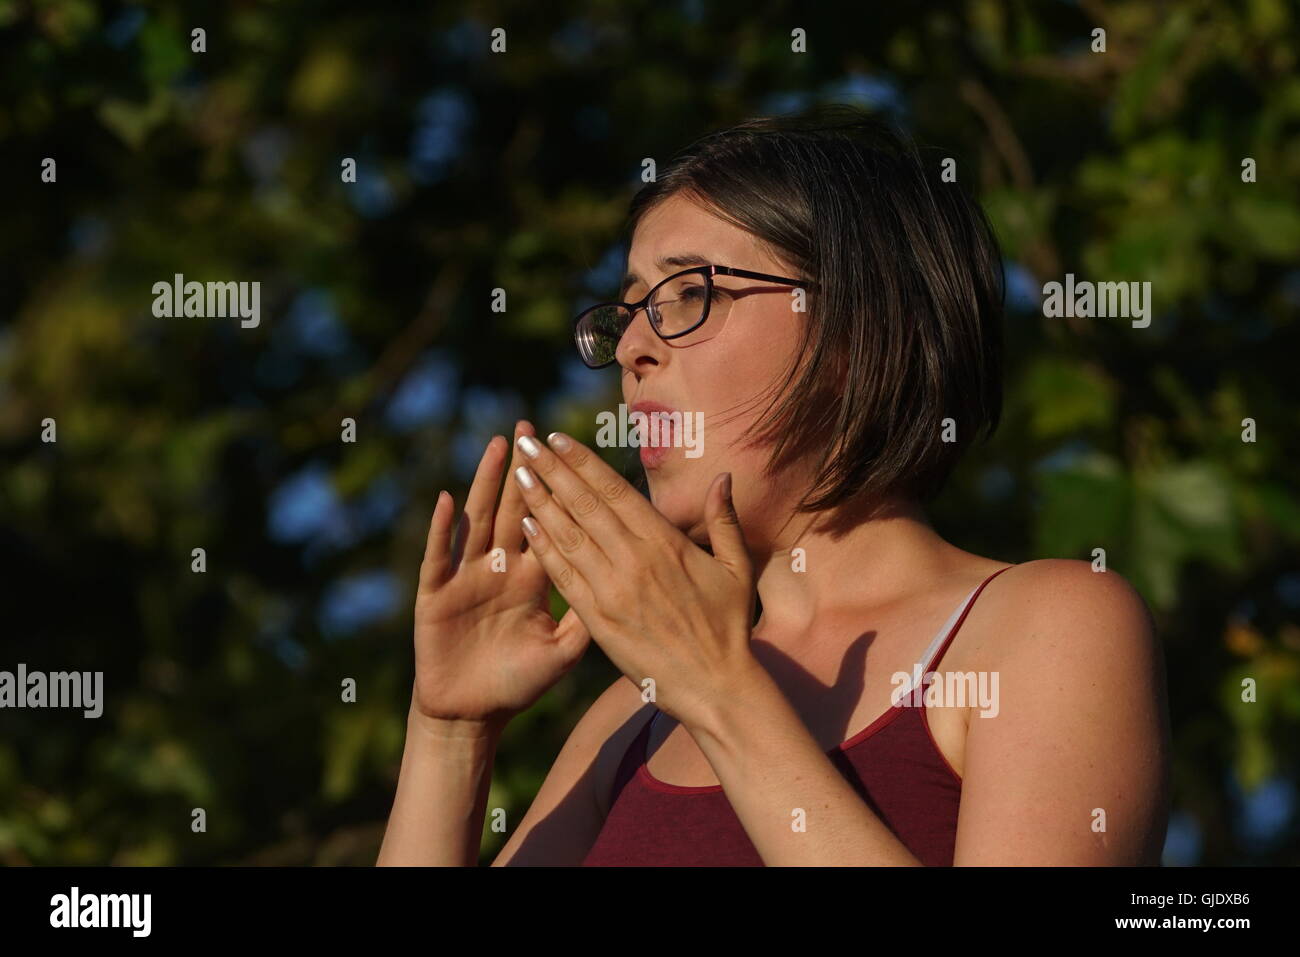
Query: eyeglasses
x=676 y=307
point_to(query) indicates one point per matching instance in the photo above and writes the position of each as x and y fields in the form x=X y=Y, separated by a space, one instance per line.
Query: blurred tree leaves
x=479 y=171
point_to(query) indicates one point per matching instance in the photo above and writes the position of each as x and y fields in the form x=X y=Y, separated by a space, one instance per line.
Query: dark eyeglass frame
x=708 y=272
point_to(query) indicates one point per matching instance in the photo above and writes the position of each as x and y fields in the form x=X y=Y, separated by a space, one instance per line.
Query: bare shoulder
x=1044 y=610
x=1079 y=720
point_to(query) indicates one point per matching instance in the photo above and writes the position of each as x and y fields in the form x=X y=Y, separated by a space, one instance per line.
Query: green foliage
x=480 y=171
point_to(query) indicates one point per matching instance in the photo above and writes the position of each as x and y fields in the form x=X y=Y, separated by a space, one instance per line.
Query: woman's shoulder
x=1067 y=584
x=1037 y=610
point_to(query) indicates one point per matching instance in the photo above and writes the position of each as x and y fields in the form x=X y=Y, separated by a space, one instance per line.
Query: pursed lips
x=663 y=430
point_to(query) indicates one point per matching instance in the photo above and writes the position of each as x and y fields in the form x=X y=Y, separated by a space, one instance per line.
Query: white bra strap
x=927 y=659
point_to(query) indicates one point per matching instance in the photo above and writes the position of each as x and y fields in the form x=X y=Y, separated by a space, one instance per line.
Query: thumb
x=572 y=636
x=725 y=536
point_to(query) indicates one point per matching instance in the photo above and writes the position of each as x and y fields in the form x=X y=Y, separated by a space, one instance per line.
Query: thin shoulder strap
x=950 y=628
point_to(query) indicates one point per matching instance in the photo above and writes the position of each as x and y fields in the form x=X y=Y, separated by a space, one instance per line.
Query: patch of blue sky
x=1262 y=814
x=1064 y=457
x=603 y=279
x=1182 y=841
x=785 y=101
x=371 y=195
x=874 y=92
x=378 y=506
x=123 y=28
x=442 y=119
x=312 y=325
x=426 y=395
x=305 y=506
x=1023 y=292
x=355 y=601
x=485 y=412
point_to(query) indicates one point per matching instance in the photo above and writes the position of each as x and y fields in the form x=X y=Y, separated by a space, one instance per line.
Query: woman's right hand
x=486 y=645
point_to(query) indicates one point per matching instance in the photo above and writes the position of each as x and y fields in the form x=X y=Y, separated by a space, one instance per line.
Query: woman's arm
x=1072 y=770
x=796 y=807
x=486 y=649
x=442 y=789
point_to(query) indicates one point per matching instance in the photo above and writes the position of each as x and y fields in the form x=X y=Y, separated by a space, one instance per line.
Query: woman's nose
x=639 y=348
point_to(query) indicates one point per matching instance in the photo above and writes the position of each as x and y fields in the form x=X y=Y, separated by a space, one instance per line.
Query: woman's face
x=722 y=378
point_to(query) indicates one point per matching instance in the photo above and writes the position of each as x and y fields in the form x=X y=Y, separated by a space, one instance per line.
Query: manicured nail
x=559 y=441
x=529 y=446
x=530 y=526
x=525 y=477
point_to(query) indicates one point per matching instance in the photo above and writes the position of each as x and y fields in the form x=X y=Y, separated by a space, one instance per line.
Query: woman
x=831 y=308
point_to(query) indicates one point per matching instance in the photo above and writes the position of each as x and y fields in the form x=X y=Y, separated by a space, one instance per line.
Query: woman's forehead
x=679 y=218
x=679 y=234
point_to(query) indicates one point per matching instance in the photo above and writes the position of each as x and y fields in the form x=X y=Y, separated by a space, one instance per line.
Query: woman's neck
x=823 y=564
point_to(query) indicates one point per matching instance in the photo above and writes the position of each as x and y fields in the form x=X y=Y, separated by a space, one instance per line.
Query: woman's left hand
x=659 y=606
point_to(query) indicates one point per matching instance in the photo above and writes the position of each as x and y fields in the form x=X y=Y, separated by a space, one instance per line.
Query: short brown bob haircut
x=904 y=328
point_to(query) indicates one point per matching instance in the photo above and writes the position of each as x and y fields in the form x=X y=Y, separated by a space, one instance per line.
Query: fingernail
x=530 y=526
x=726 y=484
x=525 y=477
x=529 y=446
x=559 y=441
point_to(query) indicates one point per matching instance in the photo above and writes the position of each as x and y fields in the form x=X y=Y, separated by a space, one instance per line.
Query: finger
x=437 y=545
x=571 y=635
x=507 y=532
x=483 y=497
x=726 y=539
x=633 y=511
x=564 y=534
x=573 y=493
x=558 y=568
x=458 y=542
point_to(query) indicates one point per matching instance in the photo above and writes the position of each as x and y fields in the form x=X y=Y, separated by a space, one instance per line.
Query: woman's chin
x=686 y=518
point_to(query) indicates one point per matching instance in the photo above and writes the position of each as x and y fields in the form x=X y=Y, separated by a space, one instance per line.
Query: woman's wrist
x=732 y=700
x=472 y=731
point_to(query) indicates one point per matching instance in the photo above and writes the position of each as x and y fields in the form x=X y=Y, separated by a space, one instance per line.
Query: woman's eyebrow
x=680 y=261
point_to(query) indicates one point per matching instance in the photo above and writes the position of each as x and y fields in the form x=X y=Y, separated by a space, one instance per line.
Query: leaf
x=323 y=81
x=133 y=122
x=1065 y=395
x=1181 y=512
x=165 y=54
x=1083 y=507
x=1269 y=226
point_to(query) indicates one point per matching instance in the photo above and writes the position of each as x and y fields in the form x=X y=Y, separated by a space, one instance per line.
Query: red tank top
x=893 y=763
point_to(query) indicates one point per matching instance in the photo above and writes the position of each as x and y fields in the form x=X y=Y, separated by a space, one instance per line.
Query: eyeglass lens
x=677 y=307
